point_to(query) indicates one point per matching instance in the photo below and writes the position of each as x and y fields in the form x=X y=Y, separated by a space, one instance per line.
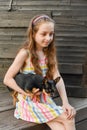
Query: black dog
x=30 y=82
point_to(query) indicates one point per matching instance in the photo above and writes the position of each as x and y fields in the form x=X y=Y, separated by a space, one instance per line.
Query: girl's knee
x=70 y=121
x=55 y=125
x=63 y=119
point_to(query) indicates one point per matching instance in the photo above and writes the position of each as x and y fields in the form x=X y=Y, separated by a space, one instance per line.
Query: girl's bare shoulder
x=23 y=53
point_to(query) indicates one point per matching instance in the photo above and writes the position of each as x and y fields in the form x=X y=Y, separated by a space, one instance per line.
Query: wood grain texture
x=71 y=43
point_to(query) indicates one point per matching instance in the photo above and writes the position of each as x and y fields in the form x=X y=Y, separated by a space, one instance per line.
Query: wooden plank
x=14 y=23
x=71 y=34
x=21 y=15
x=70 y=39
x=4 y=8
x=72 y=48
x=71 y=21
x=12 y=123
x=79 y=1
x=15 y=122
x=2 y=3
x=81 y=114
x=76 y=91
x=72 y=80
x=38 y=127
x=18 y=19
x=37 y=8
x=74 y=43
x=10 y=38
x=5 y=101
x=78 y=7
x=8 y=51
x=2 y=73
x=13 y=32
x=70 y=28
x=40 y=3
x=12 y=42
x=70 y=68
x=72 y=60
x=5 y=63
x=82 y=125
x=71 y=12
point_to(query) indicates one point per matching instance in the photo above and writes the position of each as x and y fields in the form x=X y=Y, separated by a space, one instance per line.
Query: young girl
x=38 y=56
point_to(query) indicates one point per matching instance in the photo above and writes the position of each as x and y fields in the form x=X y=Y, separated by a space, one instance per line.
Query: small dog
x=30 y=82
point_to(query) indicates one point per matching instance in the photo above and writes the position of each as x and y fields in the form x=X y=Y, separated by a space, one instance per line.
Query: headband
x=39 y=18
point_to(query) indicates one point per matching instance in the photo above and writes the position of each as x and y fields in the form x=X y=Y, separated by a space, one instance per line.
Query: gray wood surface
x=11 y=123
x=71 y=43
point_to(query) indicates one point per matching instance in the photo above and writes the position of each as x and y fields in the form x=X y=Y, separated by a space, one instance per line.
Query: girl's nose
x=48 y=37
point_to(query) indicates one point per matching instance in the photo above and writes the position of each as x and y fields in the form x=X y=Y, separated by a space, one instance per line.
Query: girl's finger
x=72 y=113
x=35 y=90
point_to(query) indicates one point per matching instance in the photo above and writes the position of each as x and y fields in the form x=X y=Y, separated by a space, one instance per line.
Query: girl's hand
x=69 y=110
x=26 y=94
x=35 y=92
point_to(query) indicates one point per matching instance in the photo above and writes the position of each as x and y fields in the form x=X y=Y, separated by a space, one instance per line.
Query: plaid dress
x=32 y=110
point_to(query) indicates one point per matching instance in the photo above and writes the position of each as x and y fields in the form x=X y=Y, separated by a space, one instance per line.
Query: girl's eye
x=51 y=34
x=43 y=34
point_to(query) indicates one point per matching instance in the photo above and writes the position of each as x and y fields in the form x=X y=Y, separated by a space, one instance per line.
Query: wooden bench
x=74 y=78
x=8 y=121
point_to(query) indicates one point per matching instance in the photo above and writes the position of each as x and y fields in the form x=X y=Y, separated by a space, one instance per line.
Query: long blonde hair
x=49 y=51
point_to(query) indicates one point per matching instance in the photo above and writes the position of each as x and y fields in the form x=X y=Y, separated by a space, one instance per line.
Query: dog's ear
x=57 y=80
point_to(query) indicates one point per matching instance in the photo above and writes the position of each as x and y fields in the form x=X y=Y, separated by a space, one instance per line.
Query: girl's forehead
x=48 y=26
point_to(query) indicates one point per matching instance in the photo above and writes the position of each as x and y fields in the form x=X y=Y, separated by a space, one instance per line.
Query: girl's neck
x=40 y=54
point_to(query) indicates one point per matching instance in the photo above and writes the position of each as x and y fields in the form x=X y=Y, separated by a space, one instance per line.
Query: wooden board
x=82 y=125
x=8 y=121
x=18 y=19
x=12 y=123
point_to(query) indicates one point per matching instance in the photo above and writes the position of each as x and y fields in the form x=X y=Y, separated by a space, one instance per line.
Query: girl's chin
x=46 y=45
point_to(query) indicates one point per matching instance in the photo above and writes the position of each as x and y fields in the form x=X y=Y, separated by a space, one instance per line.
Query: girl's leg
x=54 y=125
x=62 y=123
x=69 y=124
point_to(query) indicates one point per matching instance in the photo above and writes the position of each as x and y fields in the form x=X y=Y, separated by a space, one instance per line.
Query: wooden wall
x=71 y=32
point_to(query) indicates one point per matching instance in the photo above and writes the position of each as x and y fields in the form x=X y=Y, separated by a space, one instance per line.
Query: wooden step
x=7 y=110
x=76 y=91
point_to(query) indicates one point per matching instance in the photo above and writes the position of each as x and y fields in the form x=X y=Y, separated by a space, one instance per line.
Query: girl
x=38 y=56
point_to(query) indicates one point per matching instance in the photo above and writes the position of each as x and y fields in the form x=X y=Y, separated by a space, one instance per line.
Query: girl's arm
x=61 y=87
x=13 y=70
x=68 y=109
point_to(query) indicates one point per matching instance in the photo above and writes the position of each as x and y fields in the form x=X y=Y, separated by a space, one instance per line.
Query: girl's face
x=44 y=35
